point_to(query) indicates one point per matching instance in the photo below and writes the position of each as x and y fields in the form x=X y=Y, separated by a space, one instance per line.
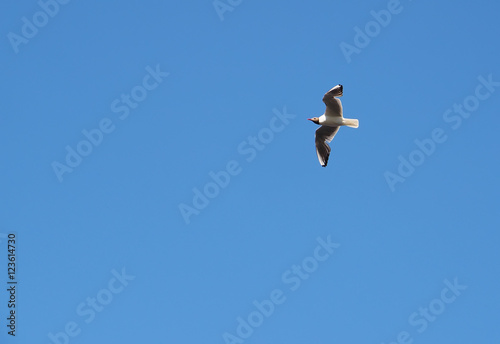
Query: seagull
x=330 y=123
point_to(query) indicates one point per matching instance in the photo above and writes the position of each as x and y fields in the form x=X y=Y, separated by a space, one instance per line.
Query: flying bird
x=330 y=123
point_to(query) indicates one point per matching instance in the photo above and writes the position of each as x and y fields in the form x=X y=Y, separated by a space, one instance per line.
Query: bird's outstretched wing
x=333 y=105
x=324 y=135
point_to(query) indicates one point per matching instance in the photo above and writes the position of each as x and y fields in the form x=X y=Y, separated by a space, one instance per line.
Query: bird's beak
x=309 y=119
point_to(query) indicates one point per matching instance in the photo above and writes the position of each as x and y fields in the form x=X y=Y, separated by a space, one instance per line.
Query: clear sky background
x=413 y=254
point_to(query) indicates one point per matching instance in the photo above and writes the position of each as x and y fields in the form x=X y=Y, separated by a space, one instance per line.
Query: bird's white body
x=335 y=121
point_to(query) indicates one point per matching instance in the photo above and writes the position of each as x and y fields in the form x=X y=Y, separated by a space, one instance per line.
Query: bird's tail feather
x=353 y=123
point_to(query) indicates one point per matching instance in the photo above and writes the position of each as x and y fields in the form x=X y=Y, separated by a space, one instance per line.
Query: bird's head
x=314 y=120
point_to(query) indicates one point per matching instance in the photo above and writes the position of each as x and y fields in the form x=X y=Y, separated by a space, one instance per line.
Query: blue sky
x=162 y=182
